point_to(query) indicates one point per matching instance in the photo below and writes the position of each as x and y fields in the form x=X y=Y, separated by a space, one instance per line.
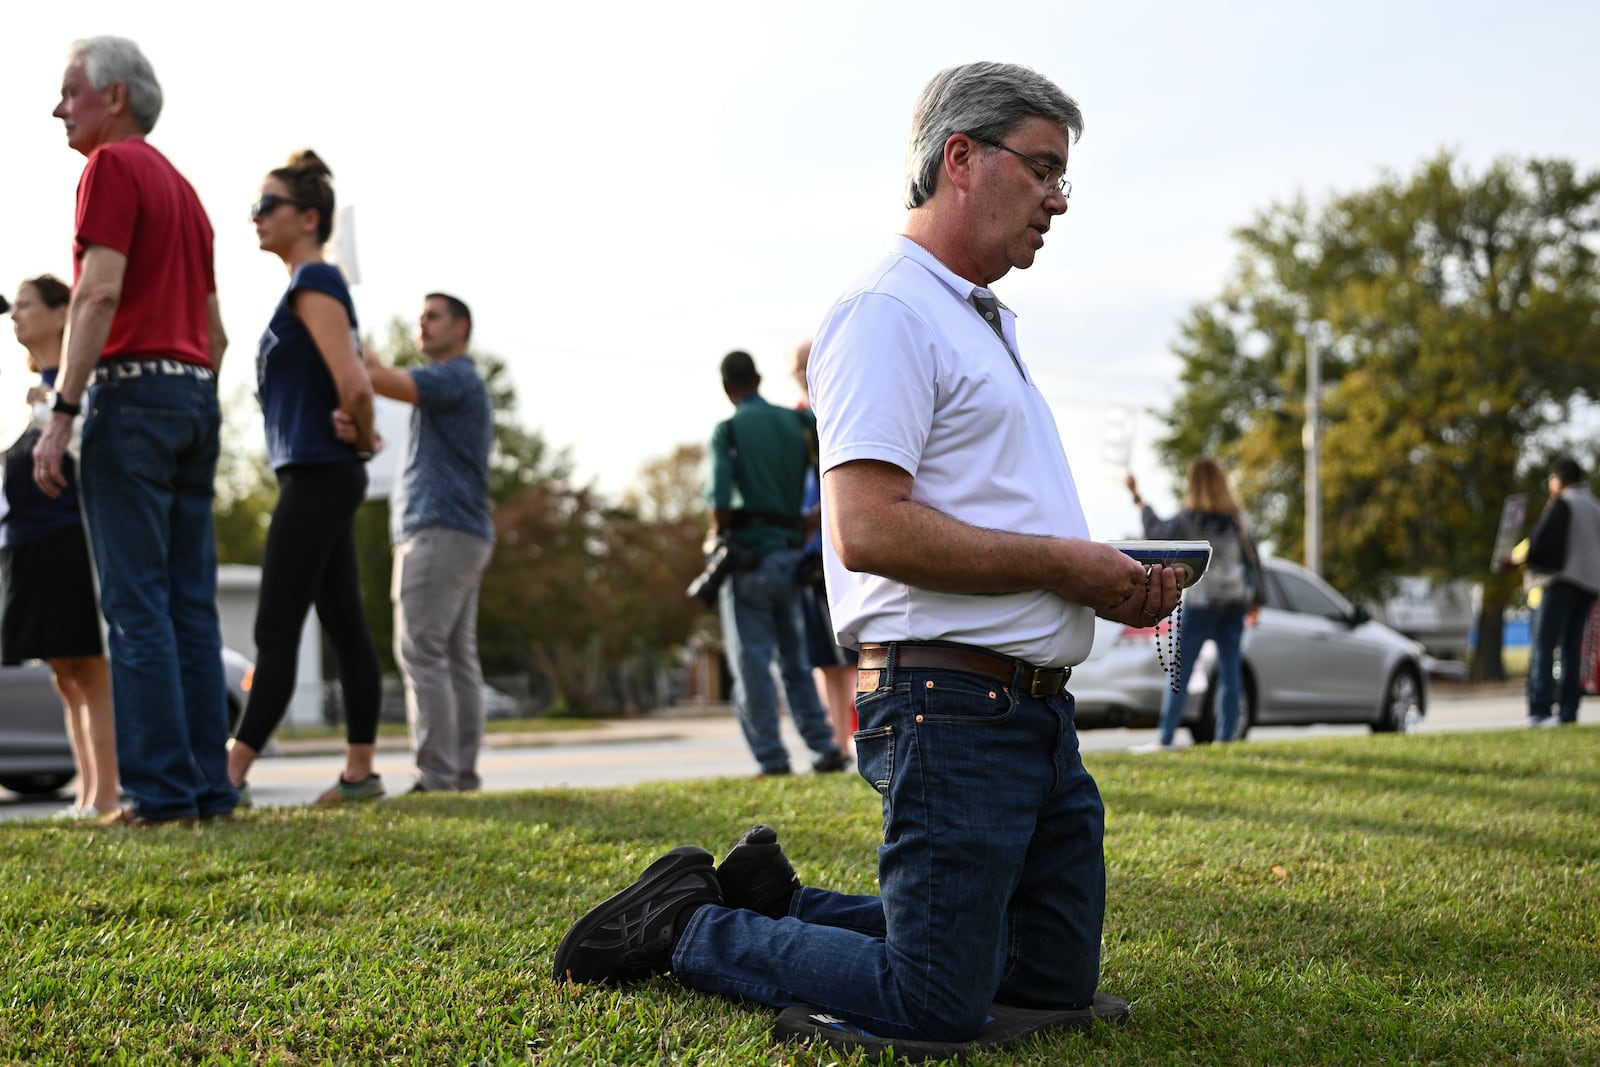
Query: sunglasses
x=268 y=204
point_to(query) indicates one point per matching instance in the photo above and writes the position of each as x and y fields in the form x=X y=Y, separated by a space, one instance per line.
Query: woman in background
x=48 y=608
x=832 y=665
x=307 y=368
x=1218 y=607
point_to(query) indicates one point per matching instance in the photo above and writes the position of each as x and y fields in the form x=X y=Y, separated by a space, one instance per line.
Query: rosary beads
x=1171 y=659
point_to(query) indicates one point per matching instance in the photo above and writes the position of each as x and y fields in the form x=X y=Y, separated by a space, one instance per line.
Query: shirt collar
x=956 y=283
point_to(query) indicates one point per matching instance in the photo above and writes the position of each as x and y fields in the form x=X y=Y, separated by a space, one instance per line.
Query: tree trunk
x=1488 y=663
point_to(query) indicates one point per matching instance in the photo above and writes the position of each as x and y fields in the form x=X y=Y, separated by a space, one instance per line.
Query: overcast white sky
x=624 y=192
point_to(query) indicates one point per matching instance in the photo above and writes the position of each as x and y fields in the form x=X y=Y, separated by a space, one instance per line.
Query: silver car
x=35 y=758
x=1312 y=657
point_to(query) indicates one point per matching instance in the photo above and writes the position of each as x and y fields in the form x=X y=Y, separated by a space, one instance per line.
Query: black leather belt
x=1036 y=681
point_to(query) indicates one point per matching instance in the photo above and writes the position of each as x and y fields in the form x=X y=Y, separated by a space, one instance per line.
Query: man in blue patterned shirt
x=443 y=538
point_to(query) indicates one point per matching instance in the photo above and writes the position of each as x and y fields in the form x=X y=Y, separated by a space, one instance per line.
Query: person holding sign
x=1218 y=608
x=441 y=523
x=1565 y=544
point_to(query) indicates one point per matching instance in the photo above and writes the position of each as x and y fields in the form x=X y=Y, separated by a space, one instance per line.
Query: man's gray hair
x=986 y=99
x=117 y=59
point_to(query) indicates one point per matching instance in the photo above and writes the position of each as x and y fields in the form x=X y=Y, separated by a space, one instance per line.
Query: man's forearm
x=89 y=324
x=876 y=527
x=918 y=545
x=392 y=382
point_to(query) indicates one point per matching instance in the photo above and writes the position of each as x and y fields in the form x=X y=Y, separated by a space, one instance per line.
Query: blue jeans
x=991 y=873
x=1223 y=624
x=149 y=463
x=1558 y=627
x=761 y=616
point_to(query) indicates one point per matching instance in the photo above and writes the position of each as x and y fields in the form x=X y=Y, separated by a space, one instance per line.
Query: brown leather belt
x=1036 y=681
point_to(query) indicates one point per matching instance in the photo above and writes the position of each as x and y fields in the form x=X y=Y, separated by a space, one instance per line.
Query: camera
x=724 y=559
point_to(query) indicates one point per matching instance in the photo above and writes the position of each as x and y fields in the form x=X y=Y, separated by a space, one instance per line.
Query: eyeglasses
x=1053 y=176
x=269 y=203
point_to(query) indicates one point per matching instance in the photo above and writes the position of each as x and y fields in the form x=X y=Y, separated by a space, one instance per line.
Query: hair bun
x=309 y=161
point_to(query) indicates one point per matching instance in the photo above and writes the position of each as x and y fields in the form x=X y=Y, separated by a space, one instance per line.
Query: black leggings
x=311 y=559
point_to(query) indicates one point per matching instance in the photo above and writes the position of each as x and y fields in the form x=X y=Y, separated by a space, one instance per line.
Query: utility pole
x=1311 y=438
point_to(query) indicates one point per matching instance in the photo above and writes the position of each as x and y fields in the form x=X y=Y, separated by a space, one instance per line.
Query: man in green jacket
x=759 y=459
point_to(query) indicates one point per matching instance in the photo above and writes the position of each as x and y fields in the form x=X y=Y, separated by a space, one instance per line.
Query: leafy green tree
x=657 y=546
x=1457 y=316
x=246 y=489
x=595 y=592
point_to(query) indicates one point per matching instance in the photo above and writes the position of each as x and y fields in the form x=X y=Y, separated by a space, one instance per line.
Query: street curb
x=668 y=724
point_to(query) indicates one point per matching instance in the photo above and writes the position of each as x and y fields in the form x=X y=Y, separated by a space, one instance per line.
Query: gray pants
x=436 y=576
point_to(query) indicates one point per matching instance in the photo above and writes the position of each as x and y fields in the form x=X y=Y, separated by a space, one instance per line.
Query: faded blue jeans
x=761 y=616
x=991 y=873
x=1224 y=624
x=147 y=472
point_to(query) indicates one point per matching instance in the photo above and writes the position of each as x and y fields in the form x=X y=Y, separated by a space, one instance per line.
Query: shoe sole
x=1006 y=1026
x=669 y=868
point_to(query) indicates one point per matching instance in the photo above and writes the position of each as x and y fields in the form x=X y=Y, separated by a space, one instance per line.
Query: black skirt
x=48 y=608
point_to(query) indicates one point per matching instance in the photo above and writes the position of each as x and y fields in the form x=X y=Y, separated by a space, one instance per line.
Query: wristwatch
x=66 y=407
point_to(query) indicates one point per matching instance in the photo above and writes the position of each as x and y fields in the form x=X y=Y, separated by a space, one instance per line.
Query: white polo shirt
x=906 y=371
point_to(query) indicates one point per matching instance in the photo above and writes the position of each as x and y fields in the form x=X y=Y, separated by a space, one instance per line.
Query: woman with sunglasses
x=48 y=608
x=308 y=368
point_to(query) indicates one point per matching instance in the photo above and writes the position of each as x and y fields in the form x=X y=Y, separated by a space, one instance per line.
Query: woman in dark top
x=307 y=368
x=48 y=608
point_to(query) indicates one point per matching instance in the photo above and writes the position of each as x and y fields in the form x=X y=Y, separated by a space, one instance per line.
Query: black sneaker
x=831 y=763
x=756 y=875
x=632 y=935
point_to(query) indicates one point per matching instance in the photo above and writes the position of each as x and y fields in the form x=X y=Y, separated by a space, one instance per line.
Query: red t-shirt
x=132 y=200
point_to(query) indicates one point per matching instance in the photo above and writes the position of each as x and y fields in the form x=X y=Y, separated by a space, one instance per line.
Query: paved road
x=703 y=746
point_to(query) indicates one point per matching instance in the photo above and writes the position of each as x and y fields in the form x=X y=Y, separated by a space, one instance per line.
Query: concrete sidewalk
x=662 y=724
x=1487 y=705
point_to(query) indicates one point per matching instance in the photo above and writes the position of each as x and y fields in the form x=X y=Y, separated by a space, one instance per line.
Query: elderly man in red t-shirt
x=143 y=350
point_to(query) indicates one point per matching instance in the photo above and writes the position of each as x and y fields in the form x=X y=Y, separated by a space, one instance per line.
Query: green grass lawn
x=1427 y=899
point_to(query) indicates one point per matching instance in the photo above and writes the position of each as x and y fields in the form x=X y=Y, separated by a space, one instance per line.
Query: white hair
x=116 y=59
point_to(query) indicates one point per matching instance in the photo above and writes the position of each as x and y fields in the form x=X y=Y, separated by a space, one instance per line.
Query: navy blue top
x=446 y=477
x=26 y=514
x=297 y=393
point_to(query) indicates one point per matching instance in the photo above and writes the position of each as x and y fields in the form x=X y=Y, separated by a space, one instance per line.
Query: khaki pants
x=435 y=591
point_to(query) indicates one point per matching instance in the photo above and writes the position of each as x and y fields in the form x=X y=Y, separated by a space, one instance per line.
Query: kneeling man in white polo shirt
x=959 y=563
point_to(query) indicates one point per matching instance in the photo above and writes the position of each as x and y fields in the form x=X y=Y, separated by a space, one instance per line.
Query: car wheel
x=1402 y=702
x=1247 y=708
x=36 y=785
